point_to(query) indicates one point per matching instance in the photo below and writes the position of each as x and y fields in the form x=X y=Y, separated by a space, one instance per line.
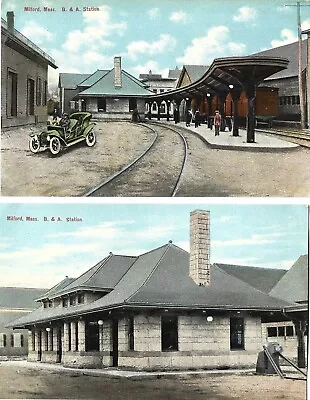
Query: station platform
x=226 y=141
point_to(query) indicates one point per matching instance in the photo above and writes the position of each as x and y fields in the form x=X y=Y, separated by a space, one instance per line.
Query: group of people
x=196 y=118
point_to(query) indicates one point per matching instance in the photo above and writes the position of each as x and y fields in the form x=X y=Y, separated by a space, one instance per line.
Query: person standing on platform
x=188 y=117
x=217 y=123
x=176 y=115
x=197 y=118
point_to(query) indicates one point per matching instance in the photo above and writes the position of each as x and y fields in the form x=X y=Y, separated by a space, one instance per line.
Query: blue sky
x=40 y=254
x=154 y=35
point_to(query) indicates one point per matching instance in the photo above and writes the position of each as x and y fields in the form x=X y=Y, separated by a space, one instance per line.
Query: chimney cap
x=170 y=241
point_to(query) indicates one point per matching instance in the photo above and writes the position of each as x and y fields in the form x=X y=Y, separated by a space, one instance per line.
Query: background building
x=15 y=303
x=24 y=68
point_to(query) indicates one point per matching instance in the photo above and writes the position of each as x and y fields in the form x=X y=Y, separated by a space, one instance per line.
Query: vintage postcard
x=174 y=98
x=193 y=294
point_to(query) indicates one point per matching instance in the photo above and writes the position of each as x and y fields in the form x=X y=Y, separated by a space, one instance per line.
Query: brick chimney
x=199 y=262
x=10 y=21
x=117 y=72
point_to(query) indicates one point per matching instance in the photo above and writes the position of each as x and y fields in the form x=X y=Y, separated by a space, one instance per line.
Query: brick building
x=14 y=303
x=107 y=94
x=24 y=69
x=163 y=309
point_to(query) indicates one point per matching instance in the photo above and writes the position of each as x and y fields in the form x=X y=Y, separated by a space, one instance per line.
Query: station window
x=12 y=340
x=169 y=333
x=65 y=302
x=281 y=331
x=81 y=298
x=22 y=341
x=162 y=90
x=155 y=90
x=12 y=95
x=102 y=104
x=69 y=336
x=236 y=333
x=289 y=331
x=39 y=88
x=154 y=107
x=132 y=104
x=72 y=300
x=4 y=340
x=272 y=331
x=92 y=336
x=297 y=100
x=131 y=339
x=76 y=336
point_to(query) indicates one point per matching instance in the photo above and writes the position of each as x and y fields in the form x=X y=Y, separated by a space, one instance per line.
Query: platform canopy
x=229 y=75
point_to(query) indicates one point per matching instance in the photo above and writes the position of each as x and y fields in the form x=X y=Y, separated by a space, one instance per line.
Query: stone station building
x=163 y=309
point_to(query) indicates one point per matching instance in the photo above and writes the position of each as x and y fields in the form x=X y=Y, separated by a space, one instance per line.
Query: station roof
x=290 y=52
x=293 y=286
x=156 y=279
x=105 y=86
x=69 y=80
x=236 y=71
x=20 y=43
x=93 y=78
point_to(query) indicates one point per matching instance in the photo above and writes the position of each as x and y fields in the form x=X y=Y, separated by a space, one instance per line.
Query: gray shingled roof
x=57 y=288
x=289 y=51
x=293 y=287
x=93 y=78
x=174 y=73
x=131 y=86
x=195 y=71
x=103 y=276
x=21 y=298
x=71 y=80
x=160 y=278
x=263 y=279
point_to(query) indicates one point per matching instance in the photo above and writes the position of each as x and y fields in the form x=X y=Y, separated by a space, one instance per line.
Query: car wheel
x=34 y=144
x=90 y=138
x=55 y=145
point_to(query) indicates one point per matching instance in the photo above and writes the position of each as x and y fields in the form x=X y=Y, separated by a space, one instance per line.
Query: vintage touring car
x=57 y=136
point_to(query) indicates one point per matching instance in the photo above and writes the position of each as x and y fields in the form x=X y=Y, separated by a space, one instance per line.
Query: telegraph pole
x=298 y=5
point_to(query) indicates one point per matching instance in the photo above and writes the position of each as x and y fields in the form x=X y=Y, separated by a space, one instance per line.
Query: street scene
x=157 y=300
x=88 y=117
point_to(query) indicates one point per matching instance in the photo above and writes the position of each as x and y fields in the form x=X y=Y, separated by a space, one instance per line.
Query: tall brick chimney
x=199 y=262
x=10 y=21
x=117 y=72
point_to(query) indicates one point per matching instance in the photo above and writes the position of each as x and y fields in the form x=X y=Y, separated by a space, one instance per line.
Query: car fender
x=51 y=134
x=88 y=129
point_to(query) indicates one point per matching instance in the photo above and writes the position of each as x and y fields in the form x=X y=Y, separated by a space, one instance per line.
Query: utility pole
x=298 y=5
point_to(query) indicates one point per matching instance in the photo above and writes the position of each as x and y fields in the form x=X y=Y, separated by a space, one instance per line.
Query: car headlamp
x=48 y=138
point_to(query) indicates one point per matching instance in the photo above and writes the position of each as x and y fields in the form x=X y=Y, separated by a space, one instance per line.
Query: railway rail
x=296 y=136
x=129 y=173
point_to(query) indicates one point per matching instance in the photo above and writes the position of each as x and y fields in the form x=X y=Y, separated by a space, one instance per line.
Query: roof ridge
x=253 y=267
x=243 y=282
x=168 y=246
x=100 y=265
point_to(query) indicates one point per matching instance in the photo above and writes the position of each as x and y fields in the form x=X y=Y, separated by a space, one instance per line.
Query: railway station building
x=166 y=308
x=107 y=94
x=24 y=70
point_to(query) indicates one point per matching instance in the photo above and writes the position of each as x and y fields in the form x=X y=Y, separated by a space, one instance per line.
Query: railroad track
x=153 y=172
x=296 y=136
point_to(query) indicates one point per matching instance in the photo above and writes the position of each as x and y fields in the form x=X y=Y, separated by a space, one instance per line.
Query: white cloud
x=214 y=44
x=305 y=24
x=36 y=33
x=149 y=66
x=98 y=26
x=252 y=240
x=226 y=218
x=245 y=14
x=165 y=43
x=284 y=9
x=153 y=13
x=180 y=16
x=287 y=36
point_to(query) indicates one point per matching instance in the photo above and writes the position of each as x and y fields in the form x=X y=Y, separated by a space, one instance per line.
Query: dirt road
x=209 y=172
x=20 y=383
